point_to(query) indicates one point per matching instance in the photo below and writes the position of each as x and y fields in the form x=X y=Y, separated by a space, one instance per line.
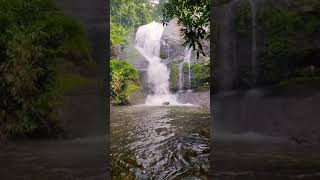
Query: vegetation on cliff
x=126 y=16
x=200 y=75
x=124 y=80
x=131 y=13
x=35 y=38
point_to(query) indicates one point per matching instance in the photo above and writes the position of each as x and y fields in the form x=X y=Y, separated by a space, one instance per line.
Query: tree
x=194 y=16
x=117 y=33
x=157 y=10
x=130 y=13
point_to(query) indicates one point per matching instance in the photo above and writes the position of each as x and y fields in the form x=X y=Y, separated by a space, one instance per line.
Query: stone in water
x=166 y=103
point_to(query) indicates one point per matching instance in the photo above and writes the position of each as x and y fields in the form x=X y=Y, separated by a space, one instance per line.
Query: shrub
x=200 y=74
x=122 y=74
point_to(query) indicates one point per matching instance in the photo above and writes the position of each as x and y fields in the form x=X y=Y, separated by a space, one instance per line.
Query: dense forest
x=44 y=54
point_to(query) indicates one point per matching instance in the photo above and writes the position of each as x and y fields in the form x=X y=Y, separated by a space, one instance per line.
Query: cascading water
x=186 y=59
x=148 y=44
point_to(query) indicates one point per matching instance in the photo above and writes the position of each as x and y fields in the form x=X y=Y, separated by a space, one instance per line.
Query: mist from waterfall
x=148 y=43
x=186 y=59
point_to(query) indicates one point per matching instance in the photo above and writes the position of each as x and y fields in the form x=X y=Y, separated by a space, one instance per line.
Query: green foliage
x=174 y=76
x=123 y=76
x=126 y=16
x=200 y=74
x=157 y=14
x=194 y=16
x=117 y=33
x=290 y=41
x=130 y=13
x=34 y=33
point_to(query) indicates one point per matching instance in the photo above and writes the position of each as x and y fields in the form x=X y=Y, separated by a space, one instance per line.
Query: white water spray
x=186 y=59
x=148 y=44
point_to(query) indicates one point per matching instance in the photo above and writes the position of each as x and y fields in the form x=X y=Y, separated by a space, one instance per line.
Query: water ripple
x=160 y=142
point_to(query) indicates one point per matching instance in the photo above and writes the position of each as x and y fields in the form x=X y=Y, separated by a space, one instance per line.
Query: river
x=160 y=142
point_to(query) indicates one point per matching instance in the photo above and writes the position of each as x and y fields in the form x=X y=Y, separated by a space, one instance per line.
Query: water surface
x=159 y=142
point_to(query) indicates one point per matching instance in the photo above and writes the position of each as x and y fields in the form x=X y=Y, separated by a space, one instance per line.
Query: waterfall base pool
x=160 y=142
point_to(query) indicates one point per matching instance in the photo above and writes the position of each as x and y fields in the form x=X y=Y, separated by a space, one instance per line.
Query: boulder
x=166 y=103
x=171 y=41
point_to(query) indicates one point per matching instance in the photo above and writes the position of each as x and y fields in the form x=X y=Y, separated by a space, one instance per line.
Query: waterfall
x=186 y=59
x=148 y=44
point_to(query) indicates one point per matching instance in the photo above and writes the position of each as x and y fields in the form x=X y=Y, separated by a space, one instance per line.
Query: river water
x=159 y=142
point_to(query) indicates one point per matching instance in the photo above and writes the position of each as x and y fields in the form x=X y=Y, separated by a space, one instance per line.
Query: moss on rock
x=174 y=76
x=200 y=74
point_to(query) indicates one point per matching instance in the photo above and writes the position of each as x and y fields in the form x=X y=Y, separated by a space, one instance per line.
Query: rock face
x=172 y=44
x=195 y=98
x=116 y=50
x=171 y=41
x=176 y=56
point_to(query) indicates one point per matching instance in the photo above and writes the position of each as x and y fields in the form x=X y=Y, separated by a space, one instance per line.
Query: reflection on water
x=163 y=142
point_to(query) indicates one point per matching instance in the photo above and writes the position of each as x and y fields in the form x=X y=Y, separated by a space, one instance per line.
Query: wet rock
x=116 y=50
x=171 y=41
x=166 y=103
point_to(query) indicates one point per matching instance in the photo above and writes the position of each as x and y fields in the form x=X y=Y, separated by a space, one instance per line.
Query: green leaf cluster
x=194 y=16
x=117 y=33
x=122 y=76
x=34 y=33
x=131 y=13
x=200 y=74
x=125 y=17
